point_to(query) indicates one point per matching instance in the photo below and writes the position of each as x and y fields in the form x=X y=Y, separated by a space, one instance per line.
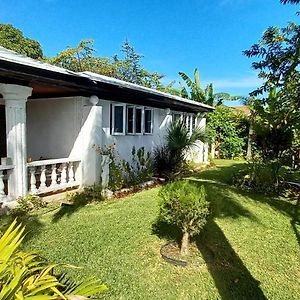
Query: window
x=135 y=119
x=189 y=120
x=130 y=119
x=177 y=117
x=148 y=121
x=118 y=119
x=138 y=120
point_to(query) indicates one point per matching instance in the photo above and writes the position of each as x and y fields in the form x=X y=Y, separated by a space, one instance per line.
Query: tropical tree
x=131 y=69
x=228 y=129
x=13 y=39
x=206 y=95
x=290 y=1
x=81 y=58
x=184 y=205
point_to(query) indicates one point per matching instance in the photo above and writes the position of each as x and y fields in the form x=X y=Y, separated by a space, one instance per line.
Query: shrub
x=184 y=205
x=24 y=275
x=123 y=173
x=262 y=177
x=165 y=163
x=170 y=158
x=140 y=169
x=28 y=203
x=88 y=195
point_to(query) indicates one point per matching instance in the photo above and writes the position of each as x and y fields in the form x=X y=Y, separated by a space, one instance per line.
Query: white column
x=15 y=97
x=92 y=137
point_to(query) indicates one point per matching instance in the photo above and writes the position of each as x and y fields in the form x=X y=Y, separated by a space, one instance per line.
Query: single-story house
x=51 y=119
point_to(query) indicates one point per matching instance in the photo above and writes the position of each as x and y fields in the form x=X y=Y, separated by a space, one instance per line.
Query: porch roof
x=49 y=81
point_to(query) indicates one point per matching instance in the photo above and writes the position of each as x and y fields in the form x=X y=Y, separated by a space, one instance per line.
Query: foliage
x=131 y=69
x=184 y=205
x=170 y=158
x=28 y=203
x=140 y=169
x=89 y=194
x=198 y=94
x=81 y=58
x=26 y=276
x=115 y=241
x=228 y=130
x=165 y=163
x=261 y=176
x=279 y=51
x=13 y=39
x=290 y=1
x=123 y=173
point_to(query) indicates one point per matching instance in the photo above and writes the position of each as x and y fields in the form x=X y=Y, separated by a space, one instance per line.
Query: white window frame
x=133 y=125
x=113 y=118
x=125 y=119
x=177 y=113
x=142 y=120
x=152 y=121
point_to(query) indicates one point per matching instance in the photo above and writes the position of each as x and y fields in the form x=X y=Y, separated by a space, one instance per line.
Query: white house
x=51 y=119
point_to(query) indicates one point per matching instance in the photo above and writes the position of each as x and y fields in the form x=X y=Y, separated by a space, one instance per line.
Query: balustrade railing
x=51 y=175
x=4 y=174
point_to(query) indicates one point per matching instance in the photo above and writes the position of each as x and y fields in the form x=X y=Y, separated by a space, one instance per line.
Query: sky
x=173 y=36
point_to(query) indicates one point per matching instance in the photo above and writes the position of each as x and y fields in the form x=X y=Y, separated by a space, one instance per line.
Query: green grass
x=250 y=247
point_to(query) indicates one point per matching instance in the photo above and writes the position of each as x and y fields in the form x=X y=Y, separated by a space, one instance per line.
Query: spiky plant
x=25 y=275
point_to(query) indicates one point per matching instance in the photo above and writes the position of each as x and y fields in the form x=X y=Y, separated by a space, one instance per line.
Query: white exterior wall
x=124 y=143
x=71 y=127
x=52 y=127
x=66 y=128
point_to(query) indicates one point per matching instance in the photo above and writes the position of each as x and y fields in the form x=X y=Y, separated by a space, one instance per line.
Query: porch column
x=15 y=97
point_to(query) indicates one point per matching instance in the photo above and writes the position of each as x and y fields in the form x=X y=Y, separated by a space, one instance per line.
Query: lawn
x=250 y=249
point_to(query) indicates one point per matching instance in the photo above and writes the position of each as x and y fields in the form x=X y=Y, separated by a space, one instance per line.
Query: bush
x=88 y=195
x=27 y=204
x=184 y=204
x=123 y=173
x=25 y=275
x=262 y=177
x=171 y=158
x=165 y=164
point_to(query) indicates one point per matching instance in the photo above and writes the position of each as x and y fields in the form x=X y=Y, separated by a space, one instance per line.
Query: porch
x=46 y=144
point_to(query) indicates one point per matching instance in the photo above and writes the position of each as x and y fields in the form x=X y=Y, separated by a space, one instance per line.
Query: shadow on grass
x=33 y=226
x=66 y=210
x=224 y=174
x=221 y=173
x=231 y=276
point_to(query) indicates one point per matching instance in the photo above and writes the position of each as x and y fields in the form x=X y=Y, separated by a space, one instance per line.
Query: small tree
x=184 y=205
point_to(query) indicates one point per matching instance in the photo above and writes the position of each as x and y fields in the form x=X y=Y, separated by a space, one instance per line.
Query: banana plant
x=206 y=96
x=25 y=275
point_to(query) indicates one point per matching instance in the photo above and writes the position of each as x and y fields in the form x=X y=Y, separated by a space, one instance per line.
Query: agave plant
x=25 y=275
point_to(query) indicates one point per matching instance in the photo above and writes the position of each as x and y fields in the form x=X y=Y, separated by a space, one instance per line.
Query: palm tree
x=179 y=140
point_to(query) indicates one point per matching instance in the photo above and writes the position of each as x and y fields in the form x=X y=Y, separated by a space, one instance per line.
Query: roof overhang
x=49 y=81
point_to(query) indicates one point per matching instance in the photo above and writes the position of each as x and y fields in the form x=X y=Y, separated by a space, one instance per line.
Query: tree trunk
x=212 y=151
x=249 y=143
x=184 y=250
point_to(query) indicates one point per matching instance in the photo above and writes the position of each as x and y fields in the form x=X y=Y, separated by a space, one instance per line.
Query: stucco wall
x=65 y=127
x=125 y=143
x=52 y=127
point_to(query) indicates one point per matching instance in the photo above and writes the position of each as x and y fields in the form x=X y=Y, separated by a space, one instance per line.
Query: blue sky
x=173 y=35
